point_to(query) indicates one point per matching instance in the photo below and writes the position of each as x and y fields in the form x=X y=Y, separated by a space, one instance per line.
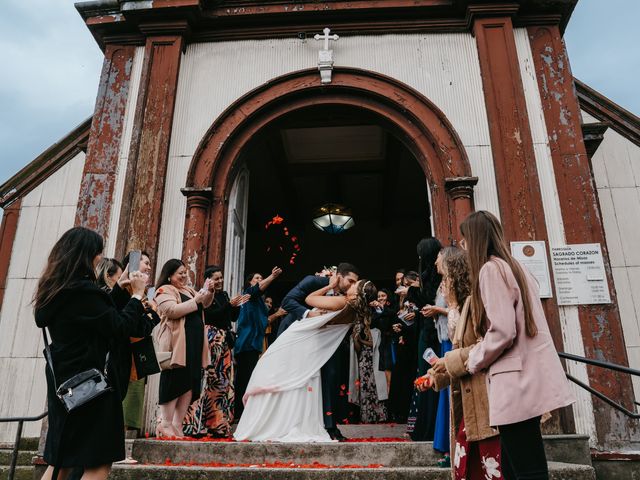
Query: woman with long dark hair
x=516 y=347
x=212 y=414
x=182 y=333
x=424 y=405
x=252 y=324
x=83 y=322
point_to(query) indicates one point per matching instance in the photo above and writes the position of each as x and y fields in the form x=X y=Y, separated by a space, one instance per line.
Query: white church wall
x=569 y=319
x=123 y=158
x=443 y=67
x=46 y=213
x=616 y=167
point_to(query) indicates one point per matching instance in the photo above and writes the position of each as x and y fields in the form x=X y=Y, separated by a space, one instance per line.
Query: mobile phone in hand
x=134 y=260
x=151 y=293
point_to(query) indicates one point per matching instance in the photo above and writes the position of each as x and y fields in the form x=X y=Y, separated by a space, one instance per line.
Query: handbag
x=145 y=358
x=83 y=387
x=162 y=345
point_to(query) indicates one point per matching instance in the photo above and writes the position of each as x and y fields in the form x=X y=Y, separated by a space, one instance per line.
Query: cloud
x=49 y=79
x=602 y=40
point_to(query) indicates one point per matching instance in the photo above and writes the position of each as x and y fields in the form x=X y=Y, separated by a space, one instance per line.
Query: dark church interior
x=337 y=155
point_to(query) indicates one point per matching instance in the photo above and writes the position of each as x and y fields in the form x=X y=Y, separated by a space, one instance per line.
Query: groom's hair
x=347 y=268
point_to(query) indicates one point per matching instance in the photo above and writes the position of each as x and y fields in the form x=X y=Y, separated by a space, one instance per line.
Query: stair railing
x=16 y=445
x=600 y=395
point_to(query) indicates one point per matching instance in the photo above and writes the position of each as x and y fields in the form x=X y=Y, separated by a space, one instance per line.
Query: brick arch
x=415 y=120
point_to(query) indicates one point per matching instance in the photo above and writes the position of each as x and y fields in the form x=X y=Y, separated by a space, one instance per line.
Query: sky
x=51 y=68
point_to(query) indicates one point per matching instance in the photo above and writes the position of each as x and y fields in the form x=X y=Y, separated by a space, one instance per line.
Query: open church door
x=235 y=250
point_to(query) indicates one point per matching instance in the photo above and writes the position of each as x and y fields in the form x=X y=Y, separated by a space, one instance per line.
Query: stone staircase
x=385 y=457
x=27 y=451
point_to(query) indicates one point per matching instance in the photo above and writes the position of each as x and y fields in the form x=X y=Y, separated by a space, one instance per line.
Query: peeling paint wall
x=616 y=169
x=123 y=155
x=47 y=212
x=569 y=318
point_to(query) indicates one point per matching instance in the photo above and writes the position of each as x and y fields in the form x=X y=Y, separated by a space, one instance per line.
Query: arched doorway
x=407 y=115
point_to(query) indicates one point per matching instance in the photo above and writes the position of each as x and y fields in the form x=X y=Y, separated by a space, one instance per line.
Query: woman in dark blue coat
x=252 y=324
x=84 y=322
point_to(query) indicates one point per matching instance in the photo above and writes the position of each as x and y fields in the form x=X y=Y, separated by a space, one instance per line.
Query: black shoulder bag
x=83 y=387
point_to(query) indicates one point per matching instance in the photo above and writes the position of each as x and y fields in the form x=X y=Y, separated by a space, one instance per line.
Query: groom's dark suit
x=295 y=306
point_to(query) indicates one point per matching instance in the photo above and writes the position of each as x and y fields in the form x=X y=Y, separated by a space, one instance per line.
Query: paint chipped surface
x=103 y=149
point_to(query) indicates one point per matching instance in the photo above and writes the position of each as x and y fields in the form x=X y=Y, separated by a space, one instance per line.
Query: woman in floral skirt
x=372 y=409
x=212 y=414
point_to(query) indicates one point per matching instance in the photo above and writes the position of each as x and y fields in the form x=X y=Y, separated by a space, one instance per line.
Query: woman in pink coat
x=525 y=378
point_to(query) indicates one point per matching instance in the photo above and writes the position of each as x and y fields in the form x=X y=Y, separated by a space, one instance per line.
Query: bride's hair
x=366 y=293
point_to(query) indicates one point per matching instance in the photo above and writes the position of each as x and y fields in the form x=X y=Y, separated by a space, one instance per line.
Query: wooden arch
x=412 y=118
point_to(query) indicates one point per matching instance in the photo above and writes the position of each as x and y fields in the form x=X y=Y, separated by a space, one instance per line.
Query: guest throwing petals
x=252 y=324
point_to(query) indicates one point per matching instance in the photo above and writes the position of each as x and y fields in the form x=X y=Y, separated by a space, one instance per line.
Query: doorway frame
x=406 y=113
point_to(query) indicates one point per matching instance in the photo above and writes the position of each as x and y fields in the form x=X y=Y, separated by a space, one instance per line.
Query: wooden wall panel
x=46 y=212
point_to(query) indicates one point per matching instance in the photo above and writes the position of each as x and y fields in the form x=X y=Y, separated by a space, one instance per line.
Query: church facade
x=203 y=103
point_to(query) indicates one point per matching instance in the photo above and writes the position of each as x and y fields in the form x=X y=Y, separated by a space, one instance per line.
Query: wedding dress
x=283 y=401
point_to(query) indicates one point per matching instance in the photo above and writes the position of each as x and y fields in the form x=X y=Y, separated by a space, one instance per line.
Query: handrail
x=16 y=445
x=24 y=419
x=600 y=363
x=608 y=366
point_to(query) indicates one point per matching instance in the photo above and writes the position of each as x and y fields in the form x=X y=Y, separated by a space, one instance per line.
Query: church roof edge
x=45 y=164
x=619 y=119
x=120 y=21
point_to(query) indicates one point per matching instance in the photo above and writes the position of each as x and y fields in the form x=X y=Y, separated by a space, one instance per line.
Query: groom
x=294 y=304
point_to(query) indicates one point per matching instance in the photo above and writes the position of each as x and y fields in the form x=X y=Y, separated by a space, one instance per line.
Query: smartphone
x=134 y=260
x=430 y=356
x=205 y=287
x=151 y=293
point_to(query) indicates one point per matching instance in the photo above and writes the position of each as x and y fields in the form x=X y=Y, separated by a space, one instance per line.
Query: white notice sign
x=533 y=255
x=580 y=275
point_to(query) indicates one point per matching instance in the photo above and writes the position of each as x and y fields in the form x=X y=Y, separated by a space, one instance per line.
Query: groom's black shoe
x=336 y=434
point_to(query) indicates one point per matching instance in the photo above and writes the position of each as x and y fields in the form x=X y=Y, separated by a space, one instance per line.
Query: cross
x=326 y=37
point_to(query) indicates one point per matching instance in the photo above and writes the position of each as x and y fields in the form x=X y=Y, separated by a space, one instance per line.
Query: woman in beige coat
x=181 y=332
x=475 y=446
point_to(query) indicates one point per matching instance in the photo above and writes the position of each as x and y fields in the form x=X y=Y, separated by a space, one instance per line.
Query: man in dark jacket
x=294 y=304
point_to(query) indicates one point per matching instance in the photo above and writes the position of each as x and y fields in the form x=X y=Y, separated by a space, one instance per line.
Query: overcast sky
x=51 y=67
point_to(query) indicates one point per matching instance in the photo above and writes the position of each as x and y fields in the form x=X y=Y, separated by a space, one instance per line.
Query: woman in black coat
x=83 y=323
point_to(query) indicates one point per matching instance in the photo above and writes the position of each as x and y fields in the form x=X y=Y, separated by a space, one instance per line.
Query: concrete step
x=21 y=473
x=389 y=454
x=26 y=443
x=378 y=430
x=560 y=448
x=617 y=465
x=24 y=456
x=559 y=471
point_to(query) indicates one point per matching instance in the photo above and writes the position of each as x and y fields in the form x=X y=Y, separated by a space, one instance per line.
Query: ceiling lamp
x=333 y=218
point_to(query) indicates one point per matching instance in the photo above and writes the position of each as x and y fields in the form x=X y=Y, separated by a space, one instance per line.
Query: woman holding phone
x=84 y=323
x=181 y=333
x=526 y=379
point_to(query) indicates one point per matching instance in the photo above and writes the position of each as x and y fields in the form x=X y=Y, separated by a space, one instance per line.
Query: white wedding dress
x=283 y=401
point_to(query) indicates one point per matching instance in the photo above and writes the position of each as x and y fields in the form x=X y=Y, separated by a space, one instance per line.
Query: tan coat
x=171 y=336
x=468 y=392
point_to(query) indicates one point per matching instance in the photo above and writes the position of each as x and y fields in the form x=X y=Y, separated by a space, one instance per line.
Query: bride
x=283 y=401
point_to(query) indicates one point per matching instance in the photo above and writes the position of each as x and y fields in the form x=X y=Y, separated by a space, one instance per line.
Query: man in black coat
x=296 y=308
